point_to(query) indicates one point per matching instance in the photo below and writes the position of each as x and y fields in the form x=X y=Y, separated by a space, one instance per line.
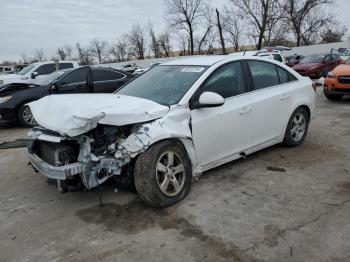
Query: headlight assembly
x=4 y=99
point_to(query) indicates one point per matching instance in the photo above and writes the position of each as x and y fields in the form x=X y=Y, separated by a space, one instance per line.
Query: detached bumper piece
x=56 y=172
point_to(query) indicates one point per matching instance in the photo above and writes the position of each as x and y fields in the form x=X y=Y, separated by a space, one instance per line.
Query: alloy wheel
x=298 y=127
x=28 y=116
x=170 y=173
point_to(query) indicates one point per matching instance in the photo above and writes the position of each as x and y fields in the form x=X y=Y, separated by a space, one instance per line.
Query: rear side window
x=46 y=69
x=64 y=66
x=284 y=75
x=264 y=74
x=105 y=75
x=227 y=81
x=76 y=76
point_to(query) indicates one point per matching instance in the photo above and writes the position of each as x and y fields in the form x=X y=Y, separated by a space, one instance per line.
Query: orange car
x=337 y=82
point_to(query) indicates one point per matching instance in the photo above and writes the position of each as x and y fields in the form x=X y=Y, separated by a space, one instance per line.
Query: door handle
x=284 y=97
x=246 y=110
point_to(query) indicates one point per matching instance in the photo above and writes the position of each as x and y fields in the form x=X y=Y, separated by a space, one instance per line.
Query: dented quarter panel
x=175 y=125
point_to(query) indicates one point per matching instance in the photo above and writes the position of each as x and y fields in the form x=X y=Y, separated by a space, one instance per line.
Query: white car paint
x=26 y=78
x=212 y=136
x=262 y=53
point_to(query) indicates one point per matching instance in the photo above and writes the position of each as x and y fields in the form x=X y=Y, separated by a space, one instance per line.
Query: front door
x=75 y=82
x=221 y=132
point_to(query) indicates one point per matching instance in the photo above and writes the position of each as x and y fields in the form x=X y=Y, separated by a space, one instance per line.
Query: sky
x=26 y=25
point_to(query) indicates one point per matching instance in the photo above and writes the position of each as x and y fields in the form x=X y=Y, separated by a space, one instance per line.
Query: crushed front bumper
x=56 y=172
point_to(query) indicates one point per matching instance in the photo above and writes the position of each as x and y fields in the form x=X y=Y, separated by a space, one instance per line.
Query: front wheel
x=25 y=116
x=163 y=174
x=297 y=128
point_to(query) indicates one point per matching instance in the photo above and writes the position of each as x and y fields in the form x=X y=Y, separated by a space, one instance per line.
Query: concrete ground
x=242 y=211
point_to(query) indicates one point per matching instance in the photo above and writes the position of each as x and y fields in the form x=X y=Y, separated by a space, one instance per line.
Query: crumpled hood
x=73 y=115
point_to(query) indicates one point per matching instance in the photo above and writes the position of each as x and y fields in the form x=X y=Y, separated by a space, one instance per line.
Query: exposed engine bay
x=98 y=151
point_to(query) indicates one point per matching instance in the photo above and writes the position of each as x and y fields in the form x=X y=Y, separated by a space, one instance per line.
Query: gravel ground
x=279 y=204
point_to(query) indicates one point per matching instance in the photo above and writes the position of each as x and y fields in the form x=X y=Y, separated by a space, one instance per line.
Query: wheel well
x=172 y=139
x=307 y=109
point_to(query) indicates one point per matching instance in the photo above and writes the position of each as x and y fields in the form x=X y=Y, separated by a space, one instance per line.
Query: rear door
x=219 y=133
x=106 y=80
x=76 y=81
x=272 y=100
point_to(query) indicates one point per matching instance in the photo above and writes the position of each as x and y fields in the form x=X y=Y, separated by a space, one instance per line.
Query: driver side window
x=77 y=76
x=227 y=81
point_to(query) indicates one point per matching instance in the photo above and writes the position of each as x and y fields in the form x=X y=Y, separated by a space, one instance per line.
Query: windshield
x=26 y=69
x=47 y=79
x=165 y=85
x=346 y=52
x=312 y=59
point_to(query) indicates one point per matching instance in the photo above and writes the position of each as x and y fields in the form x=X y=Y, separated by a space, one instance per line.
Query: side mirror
x=33 y=75
x=54 y=87
x=209 y=99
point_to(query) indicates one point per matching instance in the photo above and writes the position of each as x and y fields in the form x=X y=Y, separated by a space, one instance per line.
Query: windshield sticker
x=192 y=69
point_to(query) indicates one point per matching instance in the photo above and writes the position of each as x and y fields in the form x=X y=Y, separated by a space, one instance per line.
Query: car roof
x=206 y=60
x=51 y=62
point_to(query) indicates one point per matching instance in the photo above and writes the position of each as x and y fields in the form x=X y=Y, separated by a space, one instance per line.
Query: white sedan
x=171 y=124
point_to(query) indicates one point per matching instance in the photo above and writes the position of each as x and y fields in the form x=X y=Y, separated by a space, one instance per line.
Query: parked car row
x=36 y=70
x=318 y=65
x=15 y=96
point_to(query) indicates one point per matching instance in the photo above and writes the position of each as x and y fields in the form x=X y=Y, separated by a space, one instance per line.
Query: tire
x=297 y=128
x=155 y=176
x=24 y=116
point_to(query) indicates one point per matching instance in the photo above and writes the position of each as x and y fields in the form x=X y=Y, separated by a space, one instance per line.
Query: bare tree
x=137 y=42
x=306 y=18
x=185 y=15
x=232 y=26
x=164 y=43
x=154 y=44
x=260 y=14
x=183 y=44
x=39 y=55
x=98 y=50
x=221 y=35
x=207 y=25
x=333 y=33
x=25 y=58
x=84 y=55
x=64 y=52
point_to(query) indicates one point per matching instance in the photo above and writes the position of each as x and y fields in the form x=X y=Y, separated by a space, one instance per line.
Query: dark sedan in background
x=316 y=66
x=15 y=96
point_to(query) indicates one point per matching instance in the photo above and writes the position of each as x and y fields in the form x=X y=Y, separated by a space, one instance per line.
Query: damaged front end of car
x=92 y=157
x=98 y=147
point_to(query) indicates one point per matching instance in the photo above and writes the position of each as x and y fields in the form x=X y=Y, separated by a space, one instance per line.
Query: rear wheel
x=163 y=174
x=25 y=116
x=297 y=128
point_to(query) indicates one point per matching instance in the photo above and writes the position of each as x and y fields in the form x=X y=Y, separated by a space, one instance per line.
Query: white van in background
x=36 y=70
